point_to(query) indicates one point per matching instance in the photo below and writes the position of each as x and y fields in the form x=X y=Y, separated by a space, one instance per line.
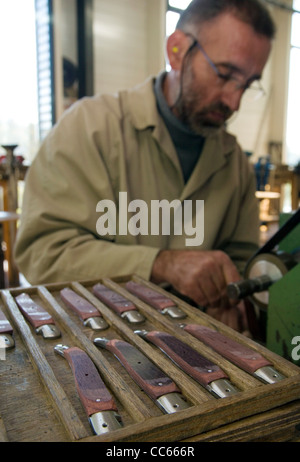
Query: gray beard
x=199 y=128
x=206 y=130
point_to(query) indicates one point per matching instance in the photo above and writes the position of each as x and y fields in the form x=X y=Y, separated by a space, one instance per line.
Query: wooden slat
x=199 y=419
x=280 y=422
x=239 y=377
x=60 y=401
x=236 y=418
x=192 y=391
x=284 y=366
x=3 y=434
x=135 y=407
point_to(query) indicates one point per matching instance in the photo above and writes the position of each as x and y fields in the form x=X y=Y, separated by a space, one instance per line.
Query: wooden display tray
x=39 y=401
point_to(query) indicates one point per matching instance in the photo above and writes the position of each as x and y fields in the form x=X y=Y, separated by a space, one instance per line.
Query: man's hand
x=202 y=276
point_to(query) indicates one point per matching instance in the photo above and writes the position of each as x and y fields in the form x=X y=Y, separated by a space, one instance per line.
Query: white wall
x=280 y=76
x=128 y=42
x=260 y=123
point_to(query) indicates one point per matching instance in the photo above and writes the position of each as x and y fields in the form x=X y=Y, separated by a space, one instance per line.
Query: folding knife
x=242 y=356
x=123 y=307
x=86 y=311
x=155 y=383
x=208 y=374
x=97 y=401
x=6 y=333
x=38 y=317
x=160 y=302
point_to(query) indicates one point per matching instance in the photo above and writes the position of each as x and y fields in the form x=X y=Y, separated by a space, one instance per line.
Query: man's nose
x=232 y=98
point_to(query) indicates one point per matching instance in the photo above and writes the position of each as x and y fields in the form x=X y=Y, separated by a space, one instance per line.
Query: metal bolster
x=48 y=331
x=172 y=402
x=105 y=421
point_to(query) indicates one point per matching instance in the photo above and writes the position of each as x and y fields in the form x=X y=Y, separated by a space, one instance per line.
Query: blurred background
x=54 y=52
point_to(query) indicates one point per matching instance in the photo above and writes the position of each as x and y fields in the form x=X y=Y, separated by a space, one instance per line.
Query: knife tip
x=142 y=333
x=101 y=342
x=59 y=349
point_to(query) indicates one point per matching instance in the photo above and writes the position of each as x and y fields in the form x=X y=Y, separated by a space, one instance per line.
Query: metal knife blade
x=242 y=356
x=155 y=383
x=123 y=307
x=38 y=317
x=97 y=401
x=86 y=311
x=6 y=333
x=160 y=302
x=208 y=374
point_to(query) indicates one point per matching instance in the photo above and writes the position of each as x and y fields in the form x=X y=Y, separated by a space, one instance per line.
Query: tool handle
x=33 y=312
x=240 y=355
x=79 y=304
x=188 y=359
x=5 y=326
x=112 y=299
x=92 y=391
x=153 y=298
x=146 y=374
x=241 y=289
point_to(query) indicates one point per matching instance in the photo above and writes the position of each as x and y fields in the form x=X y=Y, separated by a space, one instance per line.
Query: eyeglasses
x=232 y=83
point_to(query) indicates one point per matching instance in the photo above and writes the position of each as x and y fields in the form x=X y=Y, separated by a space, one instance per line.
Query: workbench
x=39 y=401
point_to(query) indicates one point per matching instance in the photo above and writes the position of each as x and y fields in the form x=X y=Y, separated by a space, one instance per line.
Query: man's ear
x=177 y=46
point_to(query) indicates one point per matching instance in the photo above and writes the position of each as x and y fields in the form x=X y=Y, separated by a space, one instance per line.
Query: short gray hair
x=252 y=12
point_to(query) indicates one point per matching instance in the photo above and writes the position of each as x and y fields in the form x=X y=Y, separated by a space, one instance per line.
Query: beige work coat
x=118 y=143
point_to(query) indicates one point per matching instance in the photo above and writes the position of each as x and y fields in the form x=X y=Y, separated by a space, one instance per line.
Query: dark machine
x=272 y=281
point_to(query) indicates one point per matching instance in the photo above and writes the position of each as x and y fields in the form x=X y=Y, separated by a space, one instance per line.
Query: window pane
x=182 y=4
x=18 y=77
x=296 y=5
x=295 y=39
x=171 y=21
x=44 y=47
x=292 y=138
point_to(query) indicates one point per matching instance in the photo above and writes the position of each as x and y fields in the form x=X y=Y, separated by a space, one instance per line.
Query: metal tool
x=38 y=317
x=241 y=289
x=266 y=267
x=86 y=311
x=155 y=383
x=242 y=356
x=160 y=302
x=6 y=333
x=97 y=401
x=123 y=307
x=208 y=374
x=260 y=273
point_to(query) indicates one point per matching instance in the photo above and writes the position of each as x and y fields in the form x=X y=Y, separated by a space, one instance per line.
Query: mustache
x=218 y=107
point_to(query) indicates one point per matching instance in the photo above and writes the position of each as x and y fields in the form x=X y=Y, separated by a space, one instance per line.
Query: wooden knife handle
x=33 y=312
x=153 y=298
x=5 y=327
x=112 y=299
x=240 y=355
x=188 y=359
x=79 y=304
x=93 y=393
x=146 y=374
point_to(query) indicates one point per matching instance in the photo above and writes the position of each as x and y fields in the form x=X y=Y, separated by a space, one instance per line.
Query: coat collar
x=142 y=110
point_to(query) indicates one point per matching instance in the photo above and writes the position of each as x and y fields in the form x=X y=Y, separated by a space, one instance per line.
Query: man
x=162 y=141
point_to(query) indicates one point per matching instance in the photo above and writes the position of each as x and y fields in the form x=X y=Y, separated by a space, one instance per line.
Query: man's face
x=238 y=52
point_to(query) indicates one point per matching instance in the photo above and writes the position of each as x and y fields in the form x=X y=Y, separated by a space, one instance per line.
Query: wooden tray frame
x=259 y=413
